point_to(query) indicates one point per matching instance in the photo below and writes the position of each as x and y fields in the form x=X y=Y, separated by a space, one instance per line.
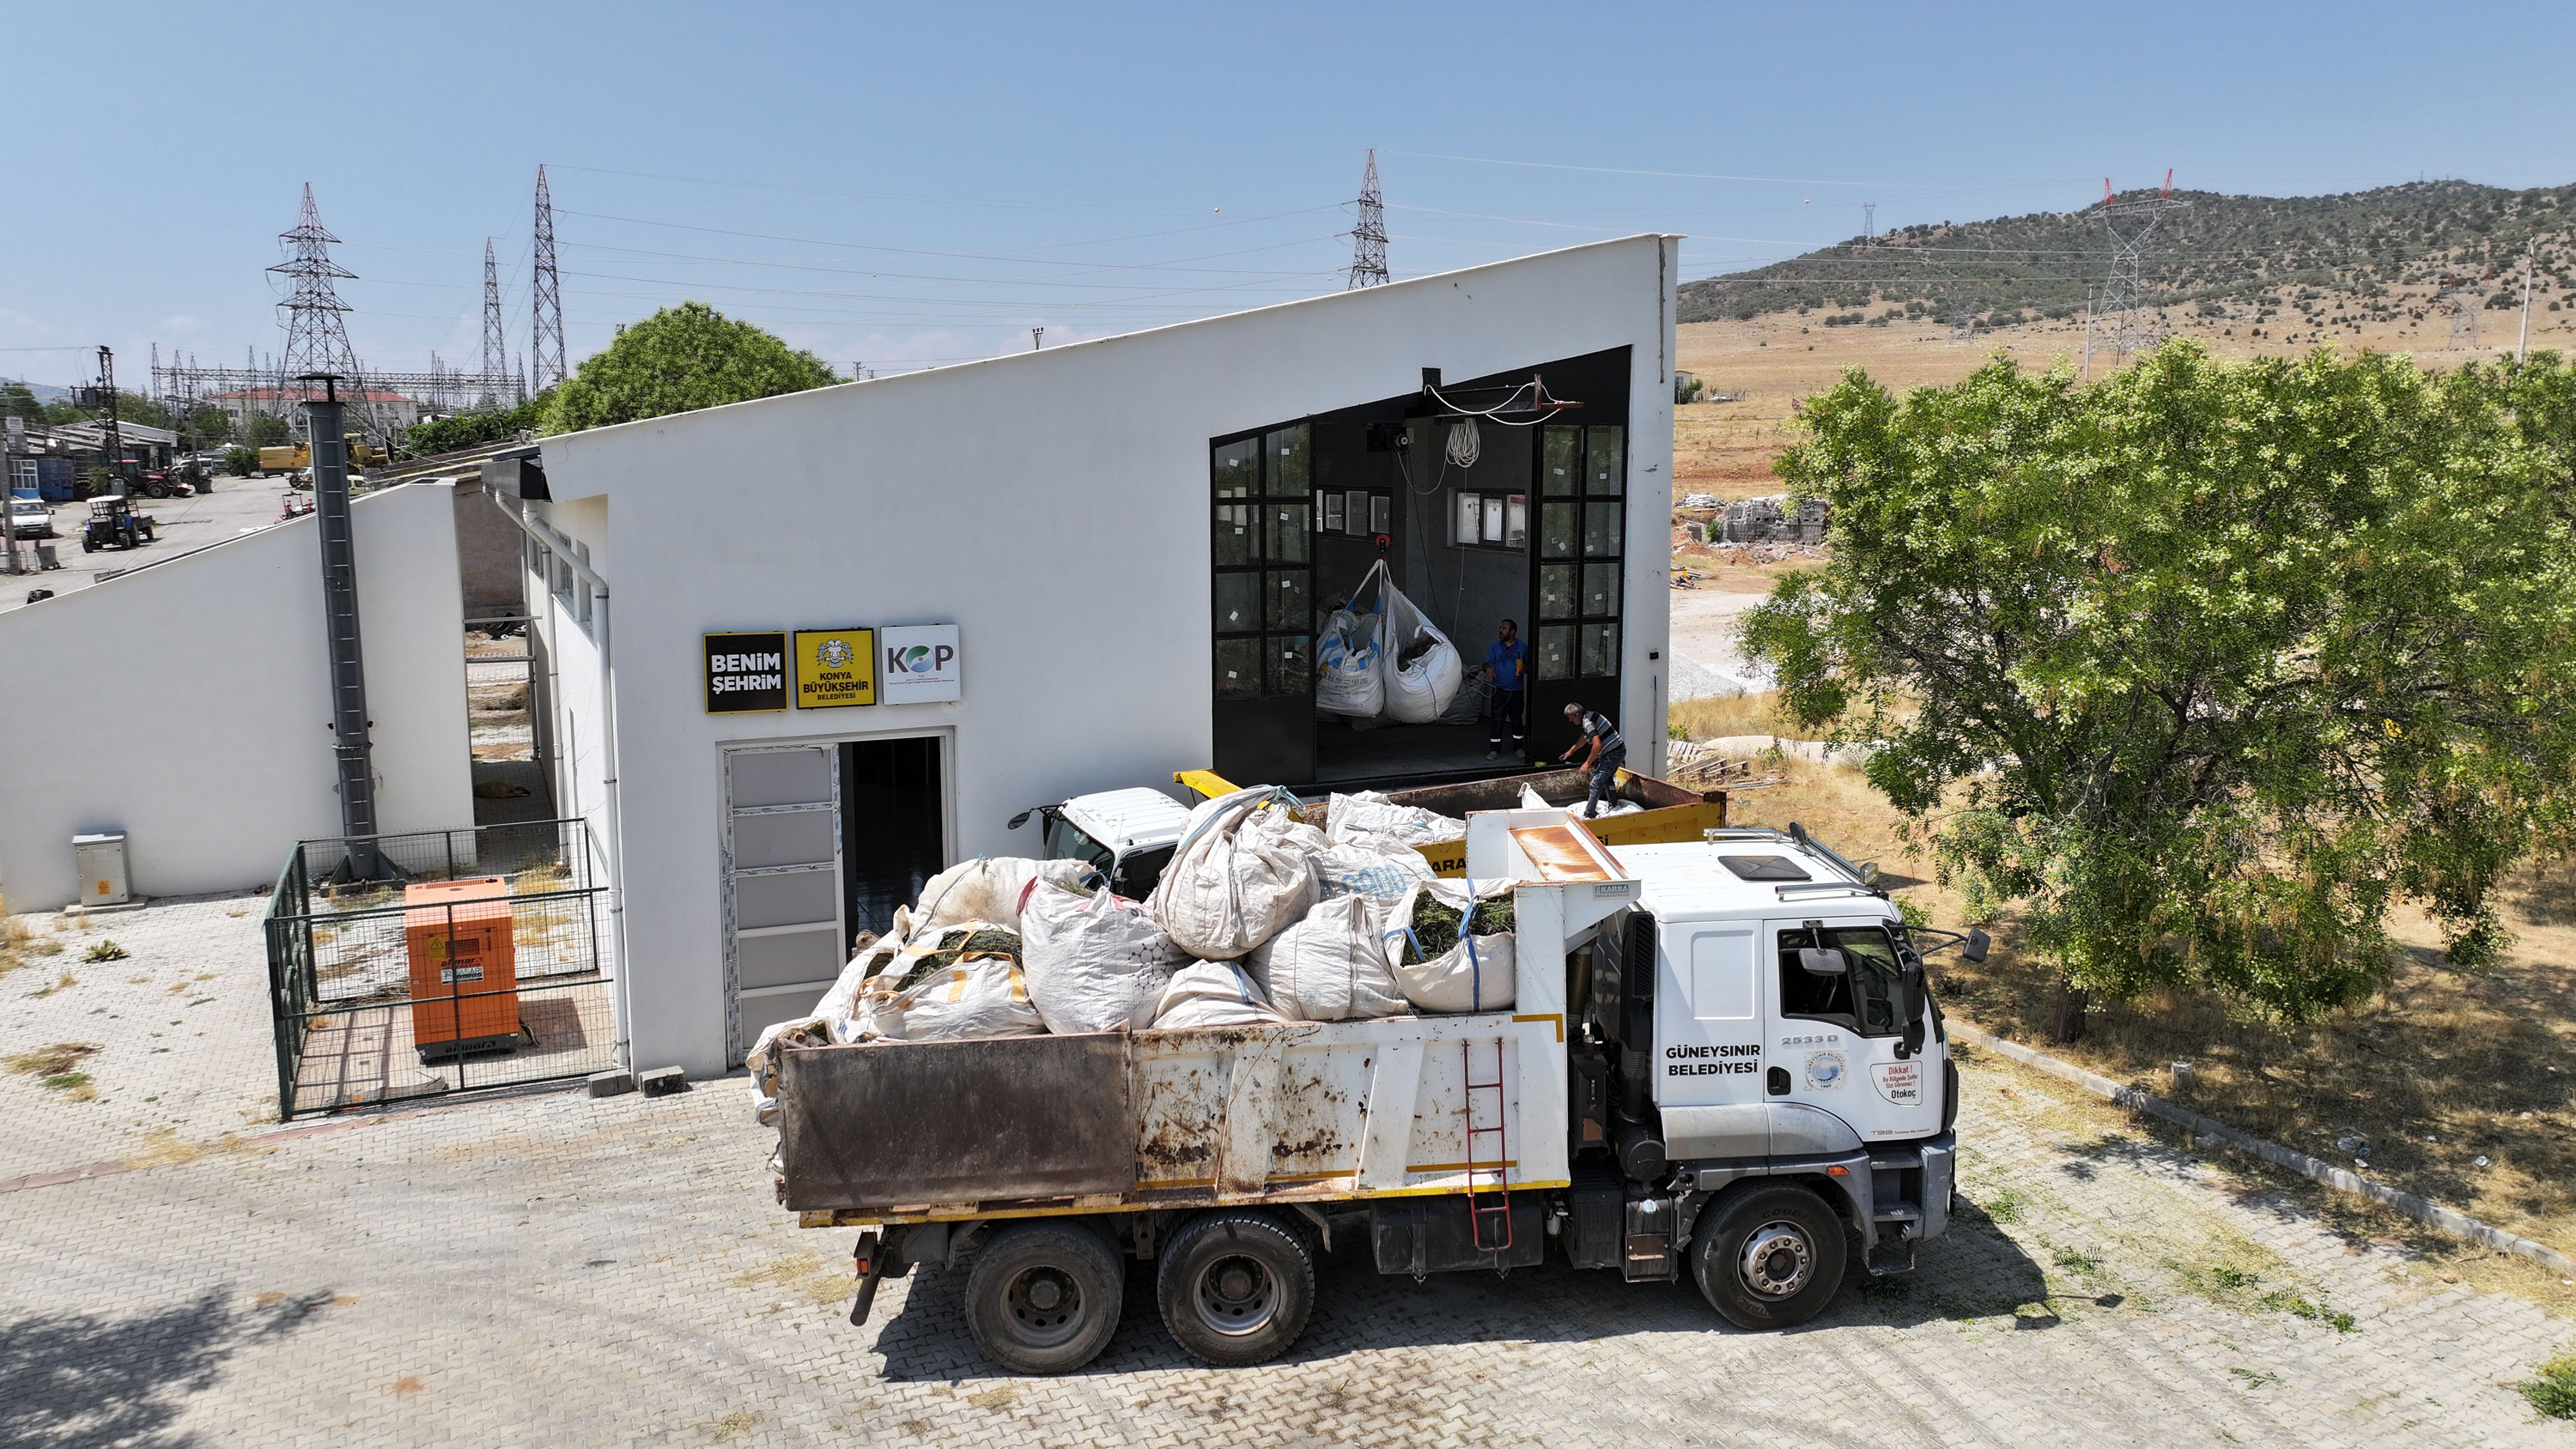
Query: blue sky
x=901 y=185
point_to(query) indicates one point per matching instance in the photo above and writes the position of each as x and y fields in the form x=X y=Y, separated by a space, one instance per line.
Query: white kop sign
x=919 y=664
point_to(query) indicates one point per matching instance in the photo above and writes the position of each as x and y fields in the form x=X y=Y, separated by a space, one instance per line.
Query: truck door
x=1837 y=1038
x=1710 y=1011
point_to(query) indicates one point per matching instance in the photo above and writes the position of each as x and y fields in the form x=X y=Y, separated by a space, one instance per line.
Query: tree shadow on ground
x=1975 y=1271
x=82 y=1380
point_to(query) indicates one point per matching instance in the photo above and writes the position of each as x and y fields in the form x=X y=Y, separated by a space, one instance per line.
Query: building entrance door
x=784 y=941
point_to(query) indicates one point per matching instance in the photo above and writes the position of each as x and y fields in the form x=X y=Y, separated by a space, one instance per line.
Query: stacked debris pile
x=1776 y=519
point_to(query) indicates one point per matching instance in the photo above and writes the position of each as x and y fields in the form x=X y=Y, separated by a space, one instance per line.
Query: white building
x=187 y=705
x=393 y=410
x=1113 y=554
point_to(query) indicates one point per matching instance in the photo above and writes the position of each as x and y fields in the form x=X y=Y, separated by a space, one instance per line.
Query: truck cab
x=1760 y=1018
x=1127 y=835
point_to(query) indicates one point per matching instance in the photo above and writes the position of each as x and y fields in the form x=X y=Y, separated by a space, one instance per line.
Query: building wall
x=489 y=553
x=1055 y=506
x=188 y=705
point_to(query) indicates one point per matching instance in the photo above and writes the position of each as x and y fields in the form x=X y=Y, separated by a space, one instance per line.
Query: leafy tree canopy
x=469 y=430
x=267 y=430
x=678 y=360
x=2211 y=662
x=19 y=400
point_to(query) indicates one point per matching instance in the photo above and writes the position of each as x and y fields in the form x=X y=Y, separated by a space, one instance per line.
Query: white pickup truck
x=1722 y=1063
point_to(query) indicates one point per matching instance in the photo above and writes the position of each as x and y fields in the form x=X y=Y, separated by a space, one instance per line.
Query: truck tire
x=1235 y=1288
x=1043 y=1297
x=1773 y=1259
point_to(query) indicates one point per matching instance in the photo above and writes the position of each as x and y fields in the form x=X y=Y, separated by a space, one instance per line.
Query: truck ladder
x=1500 y=1165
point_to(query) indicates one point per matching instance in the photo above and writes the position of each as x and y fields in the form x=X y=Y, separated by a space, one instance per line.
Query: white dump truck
x=1722 y=1062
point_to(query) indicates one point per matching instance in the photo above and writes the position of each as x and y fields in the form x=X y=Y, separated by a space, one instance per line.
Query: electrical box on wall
x=99 y=863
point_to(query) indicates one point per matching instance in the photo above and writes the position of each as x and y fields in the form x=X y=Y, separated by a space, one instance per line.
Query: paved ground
x=553 y=1270
x=179 y=524
x=1706 y=660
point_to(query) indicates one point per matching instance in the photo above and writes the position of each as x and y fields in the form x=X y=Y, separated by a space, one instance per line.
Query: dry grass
x=1726 y=448
x=803 y=1275
x=50 y=1061
x=2438 y=1070
x=1715 y=719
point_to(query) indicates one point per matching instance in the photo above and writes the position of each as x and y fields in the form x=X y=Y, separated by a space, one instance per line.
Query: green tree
x=2210 y=663
x=678 y=360
x=240 y=462
x=267 y=430
x=19 y=400
x=468 y=430
x=210 y=424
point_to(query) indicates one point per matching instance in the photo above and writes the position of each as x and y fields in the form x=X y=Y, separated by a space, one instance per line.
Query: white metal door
x=782 y=879
x=1708 y=1023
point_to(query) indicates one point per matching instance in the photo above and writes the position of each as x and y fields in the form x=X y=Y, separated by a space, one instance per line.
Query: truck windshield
x=1864 y=999
x=1066 y=841
x=1140 y=870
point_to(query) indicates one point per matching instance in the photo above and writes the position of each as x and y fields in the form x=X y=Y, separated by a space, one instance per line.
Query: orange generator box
x=464 y=967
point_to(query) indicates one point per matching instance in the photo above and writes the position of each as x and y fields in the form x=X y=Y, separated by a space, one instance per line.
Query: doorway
x=821 y=841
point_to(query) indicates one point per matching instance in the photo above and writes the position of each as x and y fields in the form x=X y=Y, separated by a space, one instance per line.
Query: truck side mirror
x=1975 y=950
x=1822 y=961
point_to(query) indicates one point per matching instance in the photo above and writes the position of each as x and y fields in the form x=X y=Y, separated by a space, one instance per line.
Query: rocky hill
x=2363 y=253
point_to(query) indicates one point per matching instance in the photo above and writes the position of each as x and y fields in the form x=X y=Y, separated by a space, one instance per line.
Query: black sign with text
x=746 y=673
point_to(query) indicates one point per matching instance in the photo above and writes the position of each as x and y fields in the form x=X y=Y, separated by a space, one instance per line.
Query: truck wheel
x=1774 y=1258
x=1236 y=1288
x=1043 y=1297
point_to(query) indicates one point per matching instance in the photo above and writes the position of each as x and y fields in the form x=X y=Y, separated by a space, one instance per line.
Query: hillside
x=2249 y=257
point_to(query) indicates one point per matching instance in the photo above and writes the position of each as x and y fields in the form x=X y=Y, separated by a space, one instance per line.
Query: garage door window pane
x=1556 y=652
x=1606 y=466
x=1288 y=532
x=1238 y=603
x=1235 y=543
x=1292 y=669
x=1600 y=591
x=1288 y=608
x=1289 y=475
x=1238 y=668
x=1237 y=466
x=1556 y=590
x=1600 y=650
x=1328 y=511
x=1560 y=454
x=1556 y=525
x=1600 y=530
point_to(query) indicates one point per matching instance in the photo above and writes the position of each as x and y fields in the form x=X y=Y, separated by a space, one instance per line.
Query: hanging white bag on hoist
x=1426 y=669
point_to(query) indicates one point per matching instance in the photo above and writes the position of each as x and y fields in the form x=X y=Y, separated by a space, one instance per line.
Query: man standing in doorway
x=1607 y=751
x=1504 y=666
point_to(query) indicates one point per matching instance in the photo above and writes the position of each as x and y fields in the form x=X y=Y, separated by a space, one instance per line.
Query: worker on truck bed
x=1607 y=751
x=1503 y=664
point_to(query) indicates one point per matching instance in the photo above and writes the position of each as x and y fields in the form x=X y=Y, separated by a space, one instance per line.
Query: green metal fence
x=381 y=993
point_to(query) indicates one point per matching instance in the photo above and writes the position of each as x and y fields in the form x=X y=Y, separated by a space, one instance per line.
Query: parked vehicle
x=1721 y=1064
x=32 y=517
x=299 y=456
x=113 y=523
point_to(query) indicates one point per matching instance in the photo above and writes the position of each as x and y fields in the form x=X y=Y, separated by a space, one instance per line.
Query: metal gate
x=782 y=885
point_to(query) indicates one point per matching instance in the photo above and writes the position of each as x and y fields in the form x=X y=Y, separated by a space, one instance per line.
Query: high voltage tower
x=496 y=345
x=2465 y=298
x=317 y=340
x=1869 y=221
x=2123 y=301
x=1368 y=238
x=545 y=301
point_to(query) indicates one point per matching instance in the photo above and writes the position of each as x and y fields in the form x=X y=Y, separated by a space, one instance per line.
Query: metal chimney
x=322 y=424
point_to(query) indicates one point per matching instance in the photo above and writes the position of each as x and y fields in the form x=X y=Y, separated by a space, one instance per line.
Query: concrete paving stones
x=561 y=1270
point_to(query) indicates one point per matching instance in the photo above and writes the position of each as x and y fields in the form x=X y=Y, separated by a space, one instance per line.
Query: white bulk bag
x=989 y=888
x=1416 y=693
x=1095 y=962
x=1244 y=869
x=1369 y=818
x=1330 y=966
x=1213 y=993
x=1350 y=657
x=834 y=1020
x=982 y=993
x=1473 y=975
x=1379 y=874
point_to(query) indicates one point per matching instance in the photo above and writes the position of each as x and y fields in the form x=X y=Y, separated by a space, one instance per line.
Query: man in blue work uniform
x=1608 y=750
x=1503 y=665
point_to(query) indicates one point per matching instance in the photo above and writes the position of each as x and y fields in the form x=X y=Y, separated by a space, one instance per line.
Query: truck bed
x=1302 y=1112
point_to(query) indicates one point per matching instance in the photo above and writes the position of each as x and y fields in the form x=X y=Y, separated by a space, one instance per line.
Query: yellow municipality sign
x=835 y=668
